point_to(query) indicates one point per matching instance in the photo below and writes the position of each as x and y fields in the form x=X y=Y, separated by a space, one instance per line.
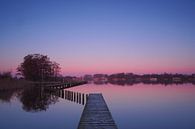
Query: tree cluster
x=37 y=67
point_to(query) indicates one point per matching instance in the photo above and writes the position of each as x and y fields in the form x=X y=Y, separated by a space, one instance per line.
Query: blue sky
x=140 y=36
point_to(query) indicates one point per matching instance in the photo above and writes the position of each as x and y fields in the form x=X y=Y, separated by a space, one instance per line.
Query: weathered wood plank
x=96 y=114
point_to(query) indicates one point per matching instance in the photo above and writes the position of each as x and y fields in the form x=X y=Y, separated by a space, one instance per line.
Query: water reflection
x=35 y=99
x=148 y=106
x=25 y=107
x=138 y=81
x=138 y=106
x=6 y=95
x=76 y=97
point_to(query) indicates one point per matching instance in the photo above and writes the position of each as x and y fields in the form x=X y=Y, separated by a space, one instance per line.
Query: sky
x=100 y=36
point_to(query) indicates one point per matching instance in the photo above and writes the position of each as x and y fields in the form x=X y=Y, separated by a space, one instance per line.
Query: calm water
x=138 y=106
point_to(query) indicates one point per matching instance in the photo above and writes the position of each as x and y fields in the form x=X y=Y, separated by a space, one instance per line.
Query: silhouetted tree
x=37 y=67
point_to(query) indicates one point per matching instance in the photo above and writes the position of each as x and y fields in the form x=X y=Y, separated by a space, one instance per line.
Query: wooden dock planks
x=96 y=114
x=60 y=86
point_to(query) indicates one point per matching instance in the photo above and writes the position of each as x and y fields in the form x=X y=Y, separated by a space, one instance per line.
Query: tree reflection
x=35 y=99
x=6 y=95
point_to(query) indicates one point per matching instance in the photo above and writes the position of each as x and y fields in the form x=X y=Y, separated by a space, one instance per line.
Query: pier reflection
x=76 y=97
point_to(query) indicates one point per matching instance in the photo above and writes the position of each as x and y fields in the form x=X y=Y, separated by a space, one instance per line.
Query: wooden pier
x=60 y=86
x=96 y=114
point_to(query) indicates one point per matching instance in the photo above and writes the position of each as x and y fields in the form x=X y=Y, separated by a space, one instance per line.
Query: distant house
x=117 y=76
x=70 y=79
x=176 y=79
x=153 y=79
x=100 y=77
x=88 y=77
x=138 y=79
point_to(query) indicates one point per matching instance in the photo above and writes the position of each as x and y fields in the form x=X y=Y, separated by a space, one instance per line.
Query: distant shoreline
x=130 y=78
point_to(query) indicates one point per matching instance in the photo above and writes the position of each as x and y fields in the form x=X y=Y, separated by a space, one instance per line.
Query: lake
x=137 y=106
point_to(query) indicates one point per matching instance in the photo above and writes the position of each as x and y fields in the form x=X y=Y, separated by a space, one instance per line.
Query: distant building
x=100 y=77
x=88 y=77
x=176 y=79
x=70 y=79
x=153 y=79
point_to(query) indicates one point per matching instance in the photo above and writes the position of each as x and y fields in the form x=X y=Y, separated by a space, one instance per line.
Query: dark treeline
x=130 y=78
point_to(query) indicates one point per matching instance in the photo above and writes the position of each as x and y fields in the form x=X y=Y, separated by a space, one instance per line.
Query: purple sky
x=103 y=36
